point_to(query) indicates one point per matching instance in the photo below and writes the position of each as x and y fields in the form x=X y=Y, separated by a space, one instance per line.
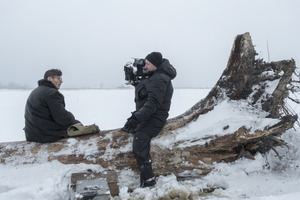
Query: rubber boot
x=147 y=178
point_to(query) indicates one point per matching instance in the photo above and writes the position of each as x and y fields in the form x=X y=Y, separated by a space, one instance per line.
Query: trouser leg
x=141 y=149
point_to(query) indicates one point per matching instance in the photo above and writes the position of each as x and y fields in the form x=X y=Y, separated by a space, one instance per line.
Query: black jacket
x=46 y=119
x=153 y=95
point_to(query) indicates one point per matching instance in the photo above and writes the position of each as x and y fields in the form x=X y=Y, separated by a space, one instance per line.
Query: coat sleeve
x=57 y=108
x=156 y=92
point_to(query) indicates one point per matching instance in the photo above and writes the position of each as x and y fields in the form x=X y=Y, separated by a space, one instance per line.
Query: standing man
x=46 y=119
x=153 y=100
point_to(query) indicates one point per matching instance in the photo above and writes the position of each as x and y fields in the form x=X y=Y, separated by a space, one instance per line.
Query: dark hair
x=52 y=73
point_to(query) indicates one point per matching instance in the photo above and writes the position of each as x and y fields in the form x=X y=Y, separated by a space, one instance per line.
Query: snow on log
x=242 y=115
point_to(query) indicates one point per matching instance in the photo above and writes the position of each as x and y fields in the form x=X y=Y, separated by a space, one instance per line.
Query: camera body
x=135 y=71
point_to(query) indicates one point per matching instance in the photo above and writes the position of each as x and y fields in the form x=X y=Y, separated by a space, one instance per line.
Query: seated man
x=46 y=119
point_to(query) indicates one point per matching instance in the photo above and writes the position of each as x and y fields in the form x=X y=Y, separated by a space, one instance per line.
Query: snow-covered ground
x=268 y=177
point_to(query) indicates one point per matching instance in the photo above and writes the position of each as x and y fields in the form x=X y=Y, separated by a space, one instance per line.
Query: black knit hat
x=155 y=58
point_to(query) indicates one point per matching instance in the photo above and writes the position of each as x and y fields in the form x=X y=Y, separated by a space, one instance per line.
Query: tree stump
x=245 y=79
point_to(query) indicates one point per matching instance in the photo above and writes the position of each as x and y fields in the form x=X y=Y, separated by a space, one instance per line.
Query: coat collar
x=46 y=83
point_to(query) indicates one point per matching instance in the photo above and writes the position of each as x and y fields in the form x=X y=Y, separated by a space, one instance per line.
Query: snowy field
x=268 y=177
x=109 y=108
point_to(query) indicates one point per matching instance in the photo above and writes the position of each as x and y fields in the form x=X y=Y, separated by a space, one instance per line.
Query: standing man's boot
x=148 y=183
x=147 y=178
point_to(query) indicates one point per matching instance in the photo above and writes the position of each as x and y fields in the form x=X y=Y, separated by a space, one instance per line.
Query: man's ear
x=49 y=78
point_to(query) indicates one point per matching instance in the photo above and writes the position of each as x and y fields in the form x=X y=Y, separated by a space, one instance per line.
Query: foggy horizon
x=91 y=41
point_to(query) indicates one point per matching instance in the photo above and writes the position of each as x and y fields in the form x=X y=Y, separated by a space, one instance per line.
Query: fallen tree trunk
x=245 y=79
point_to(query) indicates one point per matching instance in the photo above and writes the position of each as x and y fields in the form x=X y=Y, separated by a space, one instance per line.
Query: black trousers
x=145 y=131
x=141 y=150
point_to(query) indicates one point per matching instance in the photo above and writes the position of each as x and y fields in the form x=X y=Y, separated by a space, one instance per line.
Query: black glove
x=131 y=124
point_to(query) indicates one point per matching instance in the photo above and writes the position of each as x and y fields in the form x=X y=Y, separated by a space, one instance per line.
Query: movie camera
x=135 y=71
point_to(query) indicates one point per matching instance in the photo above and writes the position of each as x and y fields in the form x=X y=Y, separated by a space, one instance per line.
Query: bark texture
x=244 y=79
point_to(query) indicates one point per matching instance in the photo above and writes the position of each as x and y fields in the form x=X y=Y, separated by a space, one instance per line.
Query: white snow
x=227 y=113
x=268 y=177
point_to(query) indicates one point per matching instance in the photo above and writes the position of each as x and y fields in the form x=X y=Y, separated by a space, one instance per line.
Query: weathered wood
x=244 y=78
x=100 y=182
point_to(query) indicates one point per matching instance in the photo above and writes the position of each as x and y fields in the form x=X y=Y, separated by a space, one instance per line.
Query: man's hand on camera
x=131 y=124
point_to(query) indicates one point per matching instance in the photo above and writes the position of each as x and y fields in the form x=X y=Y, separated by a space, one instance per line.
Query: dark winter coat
x=153 y=99
x=46 y=119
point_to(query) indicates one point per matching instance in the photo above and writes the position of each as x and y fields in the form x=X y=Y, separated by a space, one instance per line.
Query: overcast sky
x=91 y=40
